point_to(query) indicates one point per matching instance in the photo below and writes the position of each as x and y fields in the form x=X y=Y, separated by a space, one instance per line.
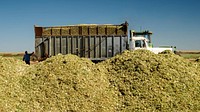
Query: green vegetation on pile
x=11 y=70
x=154 y=82
x=67 y=83
x=132 y=81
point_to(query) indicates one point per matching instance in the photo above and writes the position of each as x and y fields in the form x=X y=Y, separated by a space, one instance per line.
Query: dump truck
x=94 y=41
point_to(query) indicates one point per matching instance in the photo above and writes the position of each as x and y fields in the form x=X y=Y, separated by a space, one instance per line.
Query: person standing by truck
x=26 y=57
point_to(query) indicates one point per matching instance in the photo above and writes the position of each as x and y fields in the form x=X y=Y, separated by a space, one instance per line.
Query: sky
x=173 y=22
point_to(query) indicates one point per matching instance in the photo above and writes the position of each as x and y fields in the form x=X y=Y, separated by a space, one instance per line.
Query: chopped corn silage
x=132 y=81
x=67 y=83
x=11 y=71
x=154 y=82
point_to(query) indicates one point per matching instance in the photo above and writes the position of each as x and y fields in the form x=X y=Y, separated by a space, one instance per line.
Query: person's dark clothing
x=27 y=62
x=26 y=57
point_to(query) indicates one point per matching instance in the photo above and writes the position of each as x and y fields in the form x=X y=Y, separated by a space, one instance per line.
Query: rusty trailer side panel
x=96 y=42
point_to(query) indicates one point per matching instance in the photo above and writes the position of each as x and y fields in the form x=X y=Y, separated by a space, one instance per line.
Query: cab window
x=140 y=43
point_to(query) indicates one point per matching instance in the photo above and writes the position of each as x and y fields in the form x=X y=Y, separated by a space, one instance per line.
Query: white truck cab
x=141 y=42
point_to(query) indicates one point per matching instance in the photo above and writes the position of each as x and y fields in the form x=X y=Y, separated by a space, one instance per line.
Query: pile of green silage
x=145 y=81
x=11 y=71
x=67 y=83
x=61 y=83
x=132 y=81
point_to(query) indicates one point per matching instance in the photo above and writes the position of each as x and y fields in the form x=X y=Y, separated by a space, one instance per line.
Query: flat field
x=189 y=54
x=192 y=54
x=12 y=54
